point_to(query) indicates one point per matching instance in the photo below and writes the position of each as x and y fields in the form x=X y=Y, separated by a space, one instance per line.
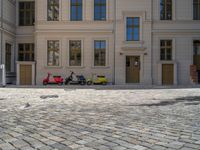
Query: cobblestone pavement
x=89 y=119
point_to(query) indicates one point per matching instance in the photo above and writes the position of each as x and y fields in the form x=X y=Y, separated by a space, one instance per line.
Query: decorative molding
x=134 y=48
x=74 y=31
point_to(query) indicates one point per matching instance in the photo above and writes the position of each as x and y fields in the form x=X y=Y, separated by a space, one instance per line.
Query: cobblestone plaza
x=89 y=119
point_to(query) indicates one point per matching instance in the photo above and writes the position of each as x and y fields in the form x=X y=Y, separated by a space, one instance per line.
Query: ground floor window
x=75 y=53
x=8 y=57
x=166 y=50
x=26 y=52
x=53 y=53
x=100 y=53
x=196 y=57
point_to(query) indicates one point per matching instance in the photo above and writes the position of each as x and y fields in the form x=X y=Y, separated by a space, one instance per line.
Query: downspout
x=152 y=42
x=114 y=28
x=1 y=32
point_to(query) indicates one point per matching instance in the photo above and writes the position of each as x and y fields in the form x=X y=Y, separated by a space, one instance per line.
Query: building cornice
x=74 y=31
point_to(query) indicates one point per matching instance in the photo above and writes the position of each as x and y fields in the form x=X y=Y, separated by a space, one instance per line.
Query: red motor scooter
x=52 y=80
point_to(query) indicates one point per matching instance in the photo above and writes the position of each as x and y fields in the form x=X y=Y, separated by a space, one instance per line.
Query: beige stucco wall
x=182 y=30
x=64 y=30
x=142 y=48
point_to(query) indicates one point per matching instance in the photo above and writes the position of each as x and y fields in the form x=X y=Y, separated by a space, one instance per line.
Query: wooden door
x=167 y=74
x=25 y=74
x=132 y=69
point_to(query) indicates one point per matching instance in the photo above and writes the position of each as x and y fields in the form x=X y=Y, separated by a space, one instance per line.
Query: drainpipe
x=114 y=28
x=1 y=31
x=152 y=42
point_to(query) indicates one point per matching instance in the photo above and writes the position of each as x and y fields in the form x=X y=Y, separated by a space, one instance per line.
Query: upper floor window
x=26 y=13
x=165 y=9
x=196 y=9
x=99 y=9
x=76 y=10
x=53 y=53
x=53 y=10
x=75 y=52
x=99 y=53
x=166 y=50
x=26 y=52
x=133 y=29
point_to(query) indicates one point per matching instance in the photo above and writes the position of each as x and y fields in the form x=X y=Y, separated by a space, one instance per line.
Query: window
x=196 y=45
x=26 y=52
x=76 y=10
x=100 y=53
x=8 y=57
x=99 y=9
x=75 y=53
x=53 y=53
x=53 y=10
x=196 y=9
x=26 y=13
x=165 y=9
x=133 y=29
x=166 y=50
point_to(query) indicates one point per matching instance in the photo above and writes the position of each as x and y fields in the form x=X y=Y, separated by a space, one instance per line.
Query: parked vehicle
x=52 y=79
x=75 y=79
x=97 y=80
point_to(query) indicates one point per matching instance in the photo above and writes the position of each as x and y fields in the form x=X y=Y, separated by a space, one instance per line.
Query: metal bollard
x=2 y=67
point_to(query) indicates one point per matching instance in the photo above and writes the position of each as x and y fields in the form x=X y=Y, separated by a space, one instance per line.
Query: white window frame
x=141 y=15
x=107 y=12
x=82 y=52
x=173 y=48
x=60 y=52
x=107 y=52
x=173 y=11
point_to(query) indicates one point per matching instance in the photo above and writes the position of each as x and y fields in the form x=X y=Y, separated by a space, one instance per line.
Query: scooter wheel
x=60 y=83
x=89 y=83
x=104 y=83
x=82 y=83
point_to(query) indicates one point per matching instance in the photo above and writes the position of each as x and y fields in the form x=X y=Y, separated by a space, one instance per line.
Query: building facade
x=140 y=42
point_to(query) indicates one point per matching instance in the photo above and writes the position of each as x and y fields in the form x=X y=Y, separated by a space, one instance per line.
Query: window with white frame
x=26 y=13
x=53 y=10
x=26 y=52
x=53 y=49
x=76 y=10
x=99 y=10
x=166 y=50
x=133 y=28
x=165 y=9
x=75 y=53
x=99 y=53
x=196 y=9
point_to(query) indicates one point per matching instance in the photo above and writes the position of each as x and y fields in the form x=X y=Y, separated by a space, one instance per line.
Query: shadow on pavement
x=195 y=100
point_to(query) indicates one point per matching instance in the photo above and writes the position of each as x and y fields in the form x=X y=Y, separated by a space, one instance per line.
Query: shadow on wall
x=191 y=100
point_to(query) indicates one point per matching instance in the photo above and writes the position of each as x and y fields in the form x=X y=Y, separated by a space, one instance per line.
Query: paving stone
x=187 y=148
x=84 y=119
x=19 y=143
x=138 y=147
x=60 y=146
x=6 y=146
x=118 y=148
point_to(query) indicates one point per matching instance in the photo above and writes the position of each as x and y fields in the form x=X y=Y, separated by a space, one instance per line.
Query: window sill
x=166 y=61
x=133 y=42
x=75 y=67
x=100 y=67
x=53 y=67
